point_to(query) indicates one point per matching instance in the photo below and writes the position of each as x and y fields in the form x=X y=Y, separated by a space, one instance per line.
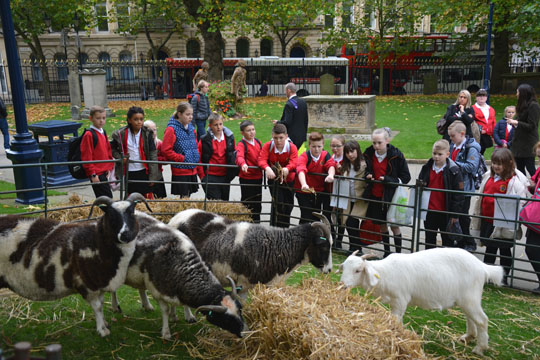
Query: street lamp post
x=23 y=149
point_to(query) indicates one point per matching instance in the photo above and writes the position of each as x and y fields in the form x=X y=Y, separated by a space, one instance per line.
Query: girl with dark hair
x=502 y=179
x=526 y=128
x=354 y=167
x=136 y=142
x=180 y=146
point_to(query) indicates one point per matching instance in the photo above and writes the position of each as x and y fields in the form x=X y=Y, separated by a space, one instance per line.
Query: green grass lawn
x=135 y=334
x=414 y=117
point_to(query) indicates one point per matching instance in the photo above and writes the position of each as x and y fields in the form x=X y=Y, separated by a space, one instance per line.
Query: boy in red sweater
x=247 y=153
x=217 y=146
x=441 y=172
x=312 y=162
x=99 y=172
x=278 y=160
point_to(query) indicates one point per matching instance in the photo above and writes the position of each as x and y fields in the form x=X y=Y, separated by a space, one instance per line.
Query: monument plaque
x=341 y=113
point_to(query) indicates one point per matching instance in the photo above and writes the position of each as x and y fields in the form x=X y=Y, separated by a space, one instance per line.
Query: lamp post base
x=25 y=150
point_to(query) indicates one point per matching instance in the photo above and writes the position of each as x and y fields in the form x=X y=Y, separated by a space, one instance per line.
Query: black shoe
x=470 y=248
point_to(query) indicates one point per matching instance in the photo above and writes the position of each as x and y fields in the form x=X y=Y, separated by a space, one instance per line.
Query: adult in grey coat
x=526 y=128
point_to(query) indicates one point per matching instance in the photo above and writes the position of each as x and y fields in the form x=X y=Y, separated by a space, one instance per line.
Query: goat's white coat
x=431 y=279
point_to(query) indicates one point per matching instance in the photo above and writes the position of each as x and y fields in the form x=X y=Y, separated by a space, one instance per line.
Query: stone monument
x=342 y=114
x=94 y=89
x=327 y=85
x=74 y=94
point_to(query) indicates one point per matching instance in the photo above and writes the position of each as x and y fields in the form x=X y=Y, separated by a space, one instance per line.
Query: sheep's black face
x=121 y=221
x=319 y=250
x=231 y=320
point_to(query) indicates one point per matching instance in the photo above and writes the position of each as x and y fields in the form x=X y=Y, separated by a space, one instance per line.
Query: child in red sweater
x=99 y=172
x=217 y=146
x=309 y=185
x=247 y=153
x=502 y=179
x=180 y=146
x=278 y=160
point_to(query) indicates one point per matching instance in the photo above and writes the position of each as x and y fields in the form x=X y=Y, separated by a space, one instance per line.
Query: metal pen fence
x=524 y=260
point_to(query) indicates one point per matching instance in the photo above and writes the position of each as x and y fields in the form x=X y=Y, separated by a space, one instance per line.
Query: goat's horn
x=100 y=200
x=138 y=197
x=322 y=218
x=368 y=256
x=355 y=252
x=215 y=308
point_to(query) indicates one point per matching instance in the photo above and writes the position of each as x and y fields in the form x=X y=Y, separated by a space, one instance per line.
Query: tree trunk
x=283 y=47
x=212 y=54
x=501 y=57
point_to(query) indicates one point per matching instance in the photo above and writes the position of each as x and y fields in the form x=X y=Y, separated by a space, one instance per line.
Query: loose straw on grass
x=315 y=320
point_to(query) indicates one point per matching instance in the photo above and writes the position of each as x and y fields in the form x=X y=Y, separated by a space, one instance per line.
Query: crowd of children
x=367 y=180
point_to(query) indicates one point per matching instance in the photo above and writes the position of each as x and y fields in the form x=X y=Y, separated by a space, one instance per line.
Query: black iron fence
x=125 y=80
x=146 y=79
x=521 y=260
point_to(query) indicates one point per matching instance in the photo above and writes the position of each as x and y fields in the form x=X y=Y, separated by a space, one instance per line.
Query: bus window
x=452 y=75
x=475 y=73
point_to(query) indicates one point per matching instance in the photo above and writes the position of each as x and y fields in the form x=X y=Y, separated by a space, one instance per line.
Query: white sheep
x=431 y=279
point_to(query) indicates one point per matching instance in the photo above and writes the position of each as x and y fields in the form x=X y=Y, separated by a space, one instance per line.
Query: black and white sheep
x=255 y=253
x=431 y=279
x=43 y=259
x=167 y=264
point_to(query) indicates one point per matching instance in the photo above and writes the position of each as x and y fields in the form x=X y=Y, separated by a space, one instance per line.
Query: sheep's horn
x=100 y=200
x=322 y=218
x=138 y=197
x=234 y=293
x=215 y=308
x=368 y=256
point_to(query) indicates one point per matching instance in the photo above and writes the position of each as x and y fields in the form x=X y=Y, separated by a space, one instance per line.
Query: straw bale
x=316 y=320
x=163 y=209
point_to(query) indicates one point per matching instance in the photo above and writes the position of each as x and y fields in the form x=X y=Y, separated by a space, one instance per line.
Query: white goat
x=431 y=279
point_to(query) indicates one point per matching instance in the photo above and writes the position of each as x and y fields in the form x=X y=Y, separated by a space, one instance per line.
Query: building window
x=126 y=71
x=36 y=69
x=193 y=49
x=328 y=21
x=242 y=48
x=101 y=16
x=83 y=58
x=122 y=15
x=61 y=66
x=267 y=47
x=105 y=59
x=347 y=19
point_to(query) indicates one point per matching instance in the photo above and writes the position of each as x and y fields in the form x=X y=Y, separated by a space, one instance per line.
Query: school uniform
x=503 y=134
x=180 y=146
x=159 y=187
x=141 y=147
x=448 y=177
x=216 y=179
x=282 y=193
x=308 y=202
x=102 y=151
x=394 y=168
x=247 y=153
x=485 y=206
x=466 y=155
x=339 y=229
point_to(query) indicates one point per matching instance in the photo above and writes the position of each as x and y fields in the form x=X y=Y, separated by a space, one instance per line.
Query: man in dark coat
x=295 y=116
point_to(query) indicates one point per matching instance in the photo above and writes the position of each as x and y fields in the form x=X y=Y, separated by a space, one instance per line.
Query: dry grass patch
x=162 y=210
x=316 y=320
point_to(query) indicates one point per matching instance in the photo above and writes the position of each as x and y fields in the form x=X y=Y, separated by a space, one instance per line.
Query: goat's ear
x=372 y=276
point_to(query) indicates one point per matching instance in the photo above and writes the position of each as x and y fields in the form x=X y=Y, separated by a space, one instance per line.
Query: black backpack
x=74 y=154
